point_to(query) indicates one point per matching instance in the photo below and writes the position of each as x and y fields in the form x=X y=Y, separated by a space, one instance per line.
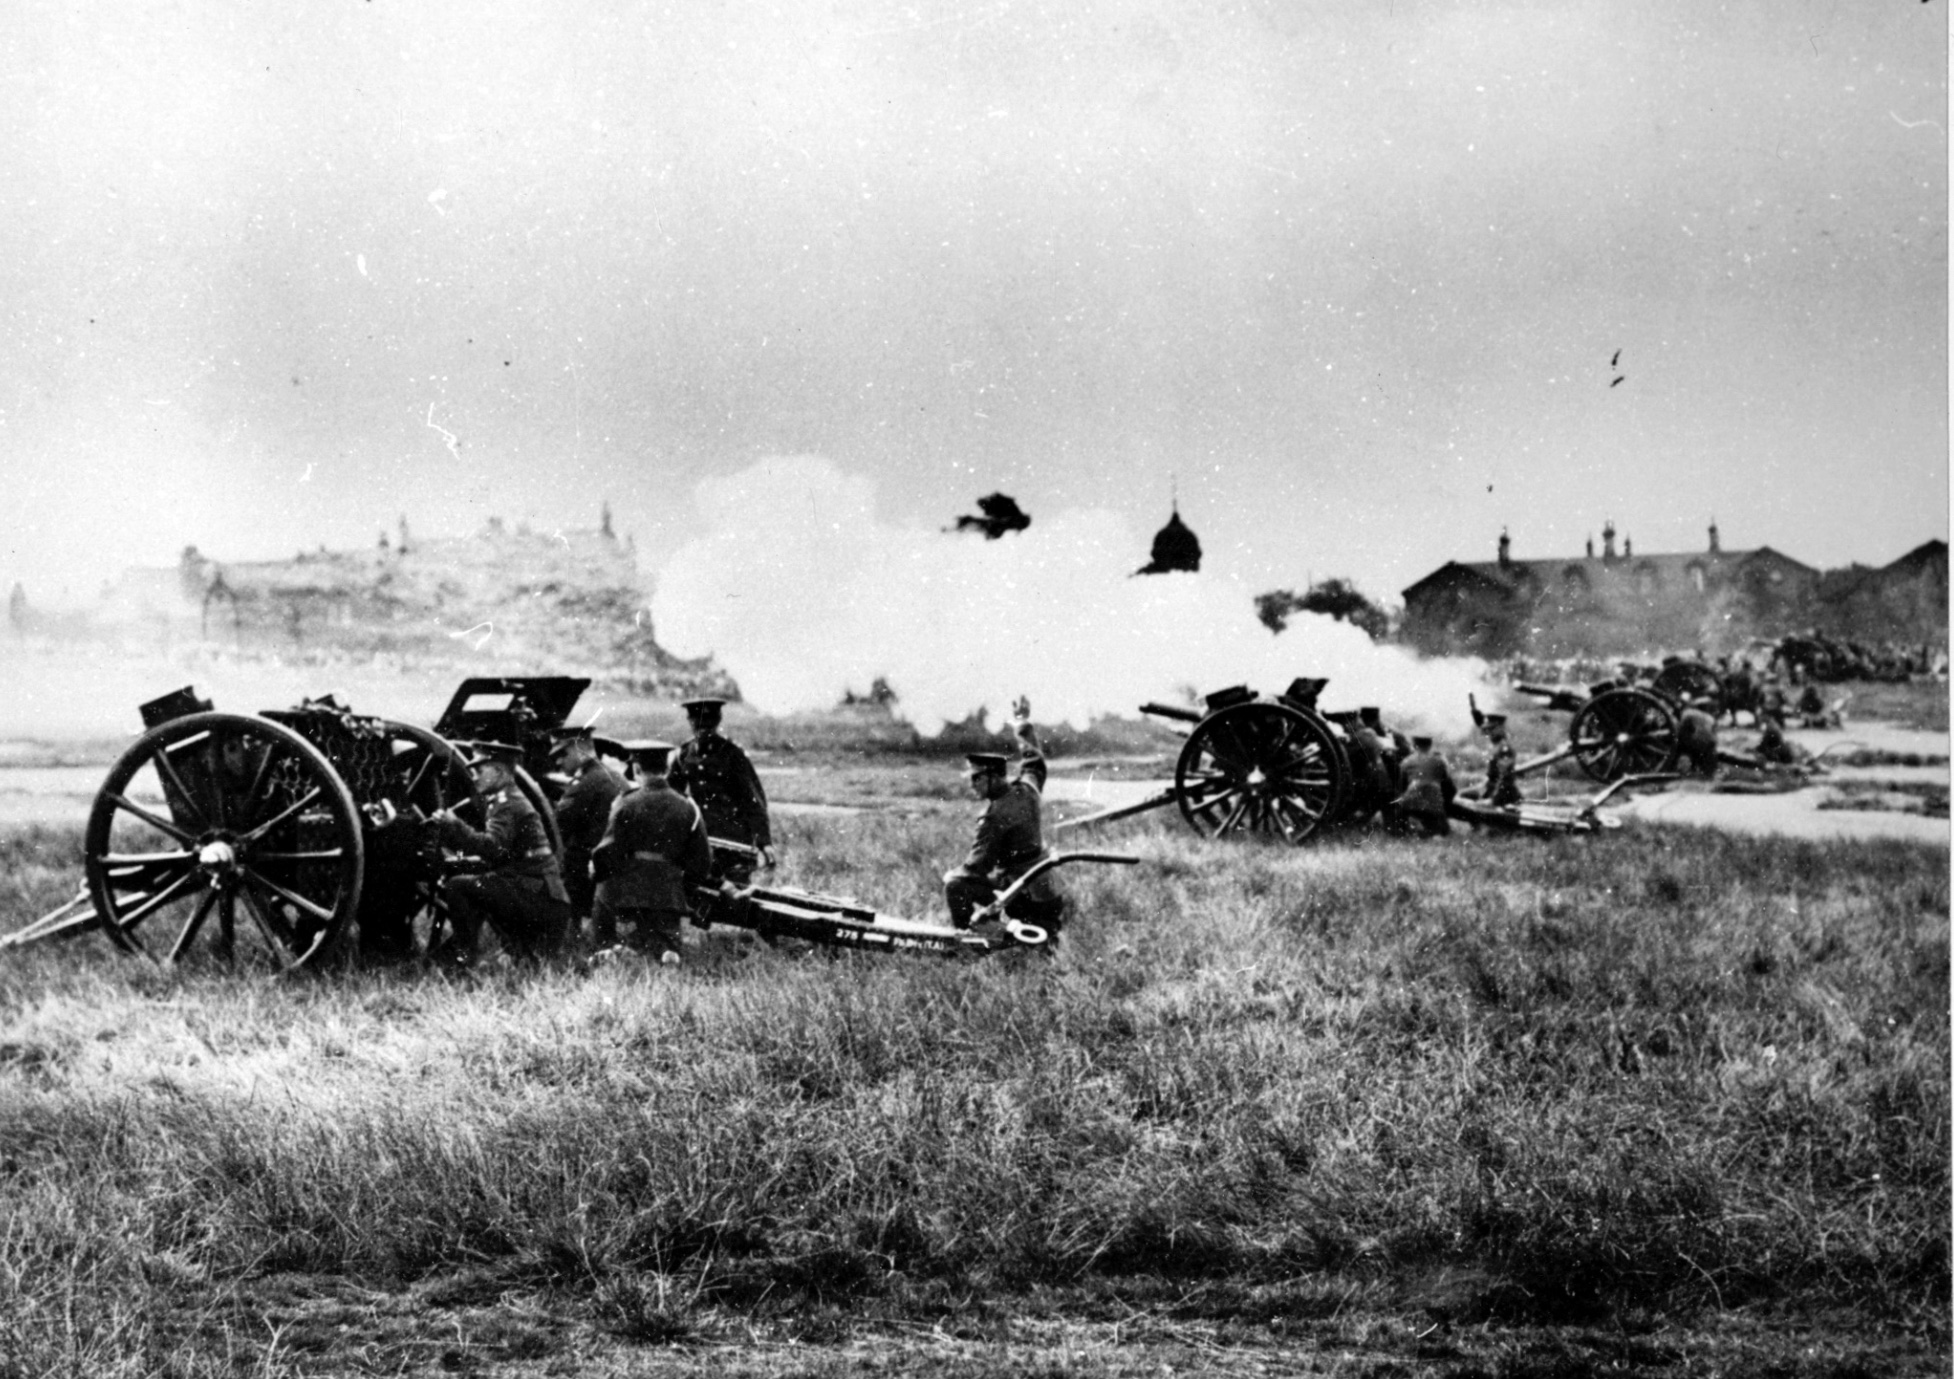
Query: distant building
x=1905 y=601
x=1175 y=548
x=1610 y=604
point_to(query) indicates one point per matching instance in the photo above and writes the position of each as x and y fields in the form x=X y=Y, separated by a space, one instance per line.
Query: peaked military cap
x=985 y=761
x=1370 y=714
x=563 y=737
x=1495 y=720
x=505 y=752
x=704 y=701
x=650 y=753
x=1423 y=744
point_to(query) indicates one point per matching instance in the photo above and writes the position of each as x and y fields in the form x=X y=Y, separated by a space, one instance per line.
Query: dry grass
x=1262 y=1099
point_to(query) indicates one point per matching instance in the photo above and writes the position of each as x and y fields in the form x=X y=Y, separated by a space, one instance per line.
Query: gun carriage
x=274 y=837
x=1616 y=731
x=1251 y=764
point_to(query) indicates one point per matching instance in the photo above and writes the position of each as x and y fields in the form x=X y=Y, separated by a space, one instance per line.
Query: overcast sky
x=1352 y=275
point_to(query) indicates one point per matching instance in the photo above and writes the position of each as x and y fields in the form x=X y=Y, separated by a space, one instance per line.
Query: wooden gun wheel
x=1261 y=768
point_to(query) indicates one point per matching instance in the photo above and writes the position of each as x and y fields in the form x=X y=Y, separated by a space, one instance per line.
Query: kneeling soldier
x=1428 y=790
x=521 y=894
x=654 y=846
x=1010 y=836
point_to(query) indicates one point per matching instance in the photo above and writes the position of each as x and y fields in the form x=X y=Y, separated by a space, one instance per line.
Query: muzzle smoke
x=802 y=595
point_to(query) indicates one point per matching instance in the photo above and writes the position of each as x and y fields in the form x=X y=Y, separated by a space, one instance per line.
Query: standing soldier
x=521 y=894
x=722 y=782
x=1010 y=835
x=1428 y=792
x=654 y=846
x=582 y=811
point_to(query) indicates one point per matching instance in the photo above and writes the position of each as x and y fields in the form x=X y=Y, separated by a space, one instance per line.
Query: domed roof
x=1175 y=547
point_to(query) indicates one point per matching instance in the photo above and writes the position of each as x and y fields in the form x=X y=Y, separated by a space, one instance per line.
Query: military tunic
x=1696 y=736
x=1502 y=780
x=722 y=782
x=1428 y=790
x=580 y=817
x=1010 y=840
x=654 y=846
x=521 y=895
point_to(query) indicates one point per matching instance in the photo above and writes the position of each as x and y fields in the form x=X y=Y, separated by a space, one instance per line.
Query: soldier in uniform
x=1010 y=834
x=1428 y=792
x=1502 y=780
x=520 y=895
x=654 y=846
x=1395 y=744
x=1371 y=787
x=582 y=811
x=1696 y=737
x=722 y=782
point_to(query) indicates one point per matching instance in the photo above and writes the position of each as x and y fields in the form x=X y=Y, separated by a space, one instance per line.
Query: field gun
x=1617 y=730
x=277 y=834
x=1252 y=764
x=777 y=912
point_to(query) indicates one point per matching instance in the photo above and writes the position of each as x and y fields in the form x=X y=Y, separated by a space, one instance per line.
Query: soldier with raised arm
x=1010 y=832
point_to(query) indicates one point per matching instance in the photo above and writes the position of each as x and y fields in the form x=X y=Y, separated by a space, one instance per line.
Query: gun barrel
x=1169 y=711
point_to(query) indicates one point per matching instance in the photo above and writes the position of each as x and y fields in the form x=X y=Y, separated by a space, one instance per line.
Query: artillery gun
x=1617 y=731
x=281 y=832
x=277 y=835
x=1252 y=764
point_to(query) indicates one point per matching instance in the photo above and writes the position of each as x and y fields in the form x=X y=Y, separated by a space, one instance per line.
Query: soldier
x=1774 y=748
x=582 y=810
x=521 y=894
x=1371 y=786
x=1395 y=744
x=722 y=782
x=1502 y=780
x=1696 y=738
x=654 y=846
x=1010 y=836
x=1428 y=792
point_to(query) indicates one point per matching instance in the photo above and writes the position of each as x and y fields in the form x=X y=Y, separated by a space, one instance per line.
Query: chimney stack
x=1608 y=539
x=1716 y=545
x=1505 y=549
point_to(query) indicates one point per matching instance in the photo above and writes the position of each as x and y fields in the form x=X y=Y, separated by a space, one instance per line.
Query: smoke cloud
x=802 y=594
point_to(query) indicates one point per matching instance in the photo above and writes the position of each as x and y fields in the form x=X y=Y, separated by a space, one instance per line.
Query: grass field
x=1652 y=1101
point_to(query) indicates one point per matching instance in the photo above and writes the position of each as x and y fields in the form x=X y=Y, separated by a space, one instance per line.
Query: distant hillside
x=504 y=601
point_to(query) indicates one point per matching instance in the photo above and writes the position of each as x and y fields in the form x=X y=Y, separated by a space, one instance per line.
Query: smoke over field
x=802 y=594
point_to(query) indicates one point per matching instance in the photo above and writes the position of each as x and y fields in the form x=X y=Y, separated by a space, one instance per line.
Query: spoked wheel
x=1260 y=768
x=1624 y=732
x=231 y=828
x=1687 y=682
x=402 y=906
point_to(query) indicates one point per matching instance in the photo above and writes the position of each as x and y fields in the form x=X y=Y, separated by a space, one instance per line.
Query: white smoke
x=801 y=594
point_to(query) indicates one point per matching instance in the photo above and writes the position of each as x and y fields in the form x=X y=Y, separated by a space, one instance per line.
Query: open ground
x=1668 y=1100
